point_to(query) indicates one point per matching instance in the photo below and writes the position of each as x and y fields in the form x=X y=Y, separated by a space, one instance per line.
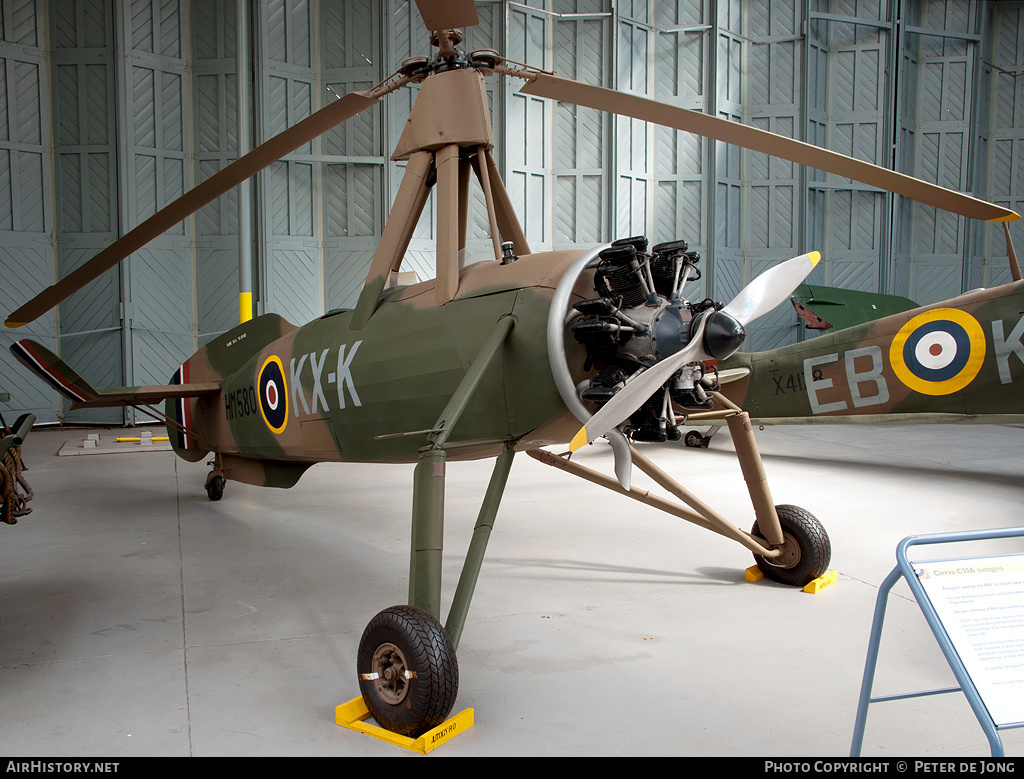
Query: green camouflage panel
x=831 y=307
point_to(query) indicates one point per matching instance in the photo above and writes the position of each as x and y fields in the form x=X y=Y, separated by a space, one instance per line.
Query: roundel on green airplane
x=938 y=352
x=273 y=394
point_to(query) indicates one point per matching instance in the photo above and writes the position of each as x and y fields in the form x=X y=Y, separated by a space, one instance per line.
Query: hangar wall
x=112 y=110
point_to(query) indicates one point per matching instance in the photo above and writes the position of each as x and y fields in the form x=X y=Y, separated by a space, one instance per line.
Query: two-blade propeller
x=759 y=297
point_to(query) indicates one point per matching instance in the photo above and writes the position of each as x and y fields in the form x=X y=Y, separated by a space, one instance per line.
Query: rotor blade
x=215 y=186
x=578 y=93
x=771 y=288
x=447 y=14
x=756 y=299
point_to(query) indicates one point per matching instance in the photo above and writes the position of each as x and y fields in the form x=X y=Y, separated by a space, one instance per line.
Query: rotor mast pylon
x=447 y=135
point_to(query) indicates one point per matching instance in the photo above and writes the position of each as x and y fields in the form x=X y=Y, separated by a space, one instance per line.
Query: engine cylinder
x=620 y=271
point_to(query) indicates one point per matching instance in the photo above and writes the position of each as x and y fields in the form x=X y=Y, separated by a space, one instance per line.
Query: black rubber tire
x=809 y=557
x=407 y=638
x=215 y=488
x=694 y=439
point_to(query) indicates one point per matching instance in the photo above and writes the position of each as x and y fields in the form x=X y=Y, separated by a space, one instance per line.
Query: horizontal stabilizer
x=142 y=396
x=59 y=375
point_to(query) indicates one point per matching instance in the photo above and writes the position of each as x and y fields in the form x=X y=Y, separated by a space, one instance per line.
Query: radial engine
x=641 y=317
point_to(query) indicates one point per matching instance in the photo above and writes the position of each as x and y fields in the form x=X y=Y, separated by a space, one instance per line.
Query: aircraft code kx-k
x=279 y=393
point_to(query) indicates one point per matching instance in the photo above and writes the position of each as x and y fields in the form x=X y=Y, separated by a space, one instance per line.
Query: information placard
x=980 y=602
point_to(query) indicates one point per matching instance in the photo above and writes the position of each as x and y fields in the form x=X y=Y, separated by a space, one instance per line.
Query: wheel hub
x=789 y=553
x=391 y=669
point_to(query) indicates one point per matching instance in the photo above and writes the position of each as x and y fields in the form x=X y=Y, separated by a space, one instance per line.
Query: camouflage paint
x=959 y=359
x=338 y=393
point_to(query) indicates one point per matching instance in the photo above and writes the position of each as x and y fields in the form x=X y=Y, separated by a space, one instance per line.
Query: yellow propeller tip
x=580 y=439
x=12 y=325
x=815 y=256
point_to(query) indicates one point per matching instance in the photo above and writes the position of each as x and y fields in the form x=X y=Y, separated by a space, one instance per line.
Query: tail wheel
x=408 y=673
x=215 y=487
x=805 y=552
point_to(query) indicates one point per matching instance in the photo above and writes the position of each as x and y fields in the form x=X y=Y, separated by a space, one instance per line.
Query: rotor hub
x=453 y=36
x=448 y=56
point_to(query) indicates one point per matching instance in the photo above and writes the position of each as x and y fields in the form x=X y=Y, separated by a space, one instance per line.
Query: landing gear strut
x=408 y=671
x=788 y=543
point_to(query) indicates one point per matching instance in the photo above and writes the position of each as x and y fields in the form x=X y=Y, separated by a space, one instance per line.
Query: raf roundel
x=938 y=352
x=273 y=394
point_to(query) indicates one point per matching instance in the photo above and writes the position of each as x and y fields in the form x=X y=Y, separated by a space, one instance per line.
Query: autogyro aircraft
x=506 y=355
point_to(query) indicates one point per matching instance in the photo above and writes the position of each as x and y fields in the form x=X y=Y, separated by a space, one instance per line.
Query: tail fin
x=825 y=308
x=194 y=386
x=180 y=410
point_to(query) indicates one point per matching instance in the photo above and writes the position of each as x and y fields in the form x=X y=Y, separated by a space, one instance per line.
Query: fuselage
x=336 y=391
x=958 y=360
x=330 y=391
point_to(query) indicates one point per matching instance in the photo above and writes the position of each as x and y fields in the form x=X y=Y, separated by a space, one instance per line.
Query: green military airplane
x=506 y=355
x=886 y=361
x=954 y=361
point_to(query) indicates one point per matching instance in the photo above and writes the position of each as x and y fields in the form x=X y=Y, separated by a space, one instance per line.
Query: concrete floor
x=139 y=618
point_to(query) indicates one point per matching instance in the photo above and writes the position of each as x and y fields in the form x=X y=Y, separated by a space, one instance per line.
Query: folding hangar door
x=111 y=110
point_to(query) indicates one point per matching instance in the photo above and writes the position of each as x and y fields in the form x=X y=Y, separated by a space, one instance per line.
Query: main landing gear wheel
x=806 y=550
x=408 y=674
